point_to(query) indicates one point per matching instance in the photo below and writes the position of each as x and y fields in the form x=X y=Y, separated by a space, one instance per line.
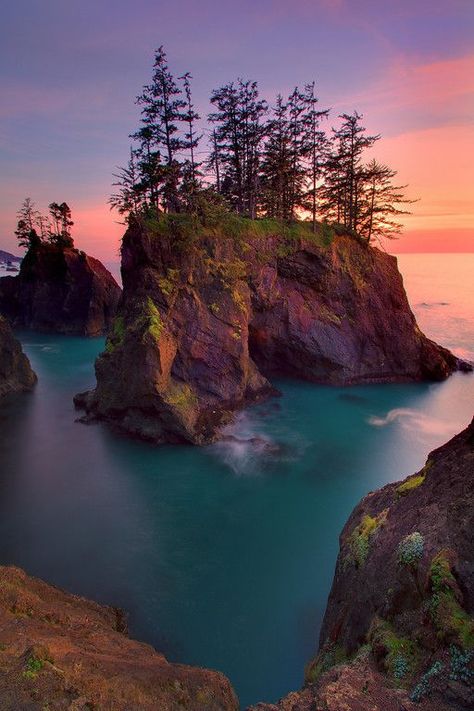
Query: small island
x=227 y=286
x=59 y=289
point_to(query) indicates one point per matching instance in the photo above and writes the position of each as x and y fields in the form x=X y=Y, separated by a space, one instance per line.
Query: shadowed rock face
x=59 y=651
x=15 y=370
x=201 y=327
x=398 y=632
x=62 y=291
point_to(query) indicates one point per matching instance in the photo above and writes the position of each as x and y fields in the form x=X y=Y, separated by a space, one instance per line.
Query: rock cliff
x=205 y=320
x=398 y=633
x=60 y=290
x=15 y=369
x=59 y=651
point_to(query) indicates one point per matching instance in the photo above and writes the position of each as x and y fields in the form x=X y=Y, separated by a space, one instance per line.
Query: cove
x=223 y=556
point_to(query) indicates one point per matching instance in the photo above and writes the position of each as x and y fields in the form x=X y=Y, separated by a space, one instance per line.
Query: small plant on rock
x=410 y=550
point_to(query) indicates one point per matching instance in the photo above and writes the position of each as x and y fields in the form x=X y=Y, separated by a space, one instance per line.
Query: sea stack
x=209 y=316
x=16 y=374
x=60 y=290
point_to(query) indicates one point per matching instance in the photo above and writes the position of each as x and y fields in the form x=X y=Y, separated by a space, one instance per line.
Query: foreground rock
x=15 y=370
x=398 y=634
x=60 y=290
x=60 y=651
x=204 y=322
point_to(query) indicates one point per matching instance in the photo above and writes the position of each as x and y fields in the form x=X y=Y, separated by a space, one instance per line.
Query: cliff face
x=60 y=651
x=399 y=626
x=60 y=290
x=203 y=324
x=15 y=369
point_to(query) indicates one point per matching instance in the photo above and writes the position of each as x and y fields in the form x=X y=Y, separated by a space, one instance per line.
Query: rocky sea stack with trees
x=59 y=289
x=226 y=285
x=259 y=262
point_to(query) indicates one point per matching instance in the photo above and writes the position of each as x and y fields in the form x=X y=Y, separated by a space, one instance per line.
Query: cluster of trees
x=263 y=161
x=33 y=227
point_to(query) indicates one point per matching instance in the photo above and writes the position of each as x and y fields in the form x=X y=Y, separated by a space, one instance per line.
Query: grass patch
x=169 y=283
x=359 y=539
x=33 y=667
x=451 y=622
x=399 y=654
x=116 y=336
x=410 y=484
x=414 y=481
x=186 y=228
x=330 y=656
x=149 y=320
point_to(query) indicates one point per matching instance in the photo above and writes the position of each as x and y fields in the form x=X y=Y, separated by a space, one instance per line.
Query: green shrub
x=33 y=666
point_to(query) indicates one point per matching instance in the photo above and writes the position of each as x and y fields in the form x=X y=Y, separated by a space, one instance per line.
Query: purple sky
x=70 y=71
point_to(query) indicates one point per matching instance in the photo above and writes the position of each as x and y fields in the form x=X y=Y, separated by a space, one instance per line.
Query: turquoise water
x=222 y=556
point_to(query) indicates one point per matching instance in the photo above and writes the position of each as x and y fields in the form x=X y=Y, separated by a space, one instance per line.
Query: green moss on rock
x=116 y=335
x=330 y=656
x=359 y=539
x=399 y=655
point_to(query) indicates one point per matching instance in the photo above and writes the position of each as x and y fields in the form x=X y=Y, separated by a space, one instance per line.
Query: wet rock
x=15 y=370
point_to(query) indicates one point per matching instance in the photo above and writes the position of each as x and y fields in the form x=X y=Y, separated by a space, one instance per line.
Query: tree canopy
x=34 y=228
x=278 y=161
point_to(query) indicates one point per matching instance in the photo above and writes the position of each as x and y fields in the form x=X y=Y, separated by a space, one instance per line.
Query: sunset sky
x=70 y=72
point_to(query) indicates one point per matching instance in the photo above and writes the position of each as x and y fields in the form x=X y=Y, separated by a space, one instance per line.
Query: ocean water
x=222 y=556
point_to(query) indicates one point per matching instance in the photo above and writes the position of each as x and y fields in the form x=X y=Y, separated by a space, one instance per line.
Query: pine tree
x=158 y=137
x=237 y=139
x=62 y=223
x=192 y=138
x=29 y=218
x=315 y=148
x=345 y=172
x=381 y=202
x=297 y=172
x=131 y=194
x=276 y=164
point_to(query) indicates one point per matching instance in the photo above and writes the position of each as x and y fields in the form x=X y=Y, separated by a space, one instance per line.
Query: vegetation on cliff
x=399 y=626
x=215 y=304
x=274 y=163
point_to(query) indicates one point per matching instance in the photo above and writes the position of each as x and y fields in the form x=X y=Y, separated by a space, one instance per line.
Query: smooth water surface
x=223 y=556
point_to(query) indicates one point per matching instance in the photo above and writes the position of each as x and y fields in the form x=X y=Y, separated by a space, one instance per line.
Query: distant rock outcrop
x=60 y=651
x=15 y=370
x=60 y=290
x=398 y=633
x=204 y=322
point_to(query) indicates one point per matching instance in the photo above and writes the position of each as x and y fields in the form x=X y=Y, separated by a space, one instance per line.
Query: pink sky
x=68 y=105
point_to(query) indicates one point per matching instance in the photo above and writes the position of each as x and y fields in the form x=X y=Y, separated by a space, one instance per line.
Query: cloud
x=436 y=92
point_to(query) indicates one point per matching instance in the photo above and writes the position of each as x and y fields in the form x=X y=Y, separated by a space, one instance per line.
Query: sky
x=70 y=72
